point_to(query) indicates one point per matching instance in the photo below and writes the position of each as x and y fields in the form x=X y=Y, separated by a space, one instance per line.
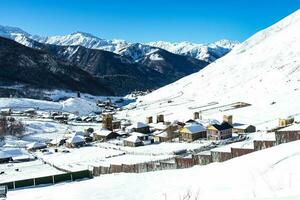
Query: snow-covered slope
x=263 y=71
x=207 y=52
x=135 y=51
x=264 y=175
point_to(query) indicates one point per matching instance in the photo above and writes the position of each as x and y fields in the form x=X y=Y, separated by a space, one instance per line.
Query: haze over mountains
x=121 y=66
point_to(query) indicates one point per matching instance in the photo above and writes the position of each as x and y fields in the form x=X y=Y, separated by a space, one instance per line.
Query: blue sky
x=200 y=21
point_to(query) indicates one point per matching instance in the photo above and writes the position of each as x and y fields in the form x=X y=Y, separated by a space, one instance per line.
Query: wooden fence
x=52 y=179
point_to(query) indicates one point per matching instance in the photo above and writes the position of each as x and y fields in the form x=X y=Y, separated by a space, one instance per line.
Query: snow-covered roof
x=138 y=134
x=138 y=125
x=206 y=122
x=293 y=127
x=103 y=132
x=195 y=128
x=160 y=125
x=133 y=138
x=75 y=139
x=36 y=145
x=3 y=154
x=162 y=134
x=240 y=126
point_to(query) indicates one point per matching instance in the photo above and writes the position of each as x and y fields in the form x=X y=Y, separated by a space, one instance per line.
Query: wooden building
x=136 y=139
x=243 y=128
x=104 y=135
x=191 y=132
x=75 y=141
x=138 y=127
x=219 y=131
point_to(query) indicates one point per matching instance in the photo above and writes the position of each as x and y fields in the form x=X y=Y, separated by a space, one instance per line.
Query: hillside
x=268 y=174
x=263 y=71
x=38 y=69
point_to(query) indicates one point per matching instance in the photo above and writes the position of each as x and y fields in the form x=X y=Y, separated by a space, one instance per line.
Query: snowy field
x=264 y=175
x=71 y=105
x=164 y=148
x=26 y=170
x=79 y=159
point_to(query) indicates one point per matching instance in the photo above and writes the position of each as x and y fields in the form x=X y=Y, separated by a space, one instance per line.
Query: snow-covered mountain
x=208 y=52
x=263 y=71
x=134 y=51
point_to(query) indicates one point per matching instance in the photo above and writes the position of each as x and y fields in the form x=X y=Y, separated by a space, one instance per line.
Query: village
x=63 y=146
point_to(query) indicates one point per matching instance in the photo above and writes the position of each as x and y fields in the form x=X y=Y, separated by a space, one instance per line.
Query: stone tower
x=107 y=121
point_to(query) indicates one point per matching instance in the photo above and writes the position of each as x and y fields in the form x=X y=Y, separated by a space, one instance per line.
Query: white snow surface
x=72 y=105
x=275 y=177
x=199 y=51
x=263 y=71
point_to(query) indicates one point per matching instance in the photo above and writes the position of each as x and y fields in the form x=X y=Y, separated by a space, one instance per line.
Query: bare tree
x=10 y=126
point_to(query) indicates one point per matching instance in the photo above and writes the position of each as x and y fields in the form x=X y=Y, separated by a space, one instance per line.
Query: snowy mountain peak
x=134 y=51
x=8 y=31
x=207 y=52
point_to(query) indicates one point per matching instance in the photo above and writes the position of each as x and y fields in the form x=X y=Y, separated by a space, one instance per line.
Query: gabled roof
x=223 y=126
x=133 y=138
x=195 y=128
x=75 y=139
x=138 y=125
x=103 y=132
x=35 y=145
x=240 y=126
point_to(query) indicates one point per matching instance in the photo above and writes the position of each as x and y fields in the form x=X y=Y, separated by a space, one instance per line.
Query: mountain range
x=121 y=66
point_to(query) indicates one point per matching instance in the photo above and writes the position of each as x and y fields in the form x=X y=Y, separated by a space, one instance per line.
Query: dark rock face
x=37 y=68
x=93 y=71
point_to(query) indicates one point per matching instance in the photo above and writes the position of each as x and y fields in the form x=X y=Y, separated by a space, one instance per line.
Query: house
x=133 y=141
x=36 y=145
x=243 y=128
x=219 y=131
x=137 y=139
x=192 y=131
x=104 y=135
x=164 y=136
x=75 y=141
x=138 y=127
